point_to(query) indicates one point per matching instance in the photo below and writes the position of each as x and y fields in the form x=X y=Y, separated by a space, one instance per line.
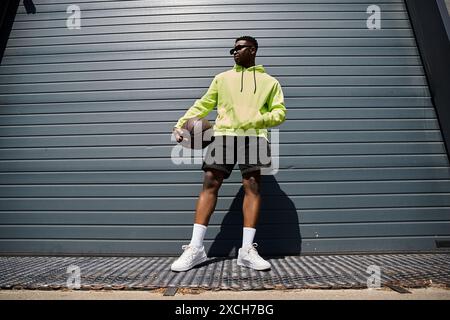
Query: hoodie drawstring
x=242 y=79
x=254 y=80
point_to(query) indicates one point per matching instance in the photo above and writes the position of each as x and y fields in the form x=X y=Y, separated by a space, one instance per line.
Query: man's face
x=245 y=54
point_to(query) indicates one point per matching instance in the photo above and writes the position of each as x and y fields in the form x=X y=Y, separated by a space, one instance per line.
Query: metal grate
x=291 y=272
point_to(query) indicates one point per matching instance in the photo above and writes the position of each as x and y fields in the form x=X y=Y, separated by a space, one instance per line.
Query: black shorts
x=250 y=152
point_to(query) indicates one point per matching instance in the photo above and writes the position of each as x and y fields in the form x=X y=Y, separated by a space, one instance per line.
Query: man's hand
x=256 y=123
x=178 y=133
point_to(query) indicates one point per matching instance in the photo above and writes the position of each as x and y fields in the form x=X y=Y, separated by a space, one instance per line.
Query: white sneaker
x=249 y=257
x=191 y=257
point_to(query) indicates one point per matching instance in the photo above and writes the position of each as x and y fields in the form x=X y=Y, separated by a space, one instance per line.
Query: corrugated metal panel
x=86 y=115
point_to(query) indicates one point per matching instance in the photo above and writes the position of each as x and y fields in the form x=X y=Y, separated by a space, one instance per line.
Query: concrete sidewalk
x=294 y=294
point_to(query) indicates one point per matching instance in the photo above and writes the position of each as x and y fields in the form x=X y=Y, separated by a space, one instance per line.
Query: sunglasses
x=237 y=48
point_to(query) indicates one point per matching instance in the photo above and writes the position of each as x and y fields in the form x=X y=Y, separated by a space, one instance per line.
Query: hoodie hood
x=258 y=68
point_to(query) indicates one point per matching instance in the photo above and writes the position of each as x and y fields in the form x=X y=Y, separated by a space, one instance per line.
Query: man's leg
x=208 y=196
x=248 y=255
x=252 y=198
x=194 y=253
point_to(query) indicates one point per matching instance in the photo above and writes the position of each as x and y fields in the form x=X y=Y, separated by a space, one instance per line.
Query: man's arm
x=276 y=110
x=202 y=106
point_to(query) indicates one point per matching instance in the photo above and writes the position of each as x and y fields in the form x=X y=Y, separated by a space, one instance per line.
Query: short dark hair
x=249 y=39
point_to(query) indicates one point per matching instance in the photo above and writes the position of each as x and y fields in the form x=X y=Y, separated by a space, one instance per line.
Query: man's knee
x=252 y=183
x=213 y=180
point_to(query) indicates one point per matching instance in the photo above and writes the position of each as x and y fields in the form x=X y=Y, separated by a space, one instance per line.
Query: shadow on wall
x=29 y=6
x=277 y=232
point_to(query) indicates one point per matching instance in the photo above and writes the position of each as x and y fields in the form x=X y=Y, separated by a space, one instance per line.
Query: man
x=248 y=102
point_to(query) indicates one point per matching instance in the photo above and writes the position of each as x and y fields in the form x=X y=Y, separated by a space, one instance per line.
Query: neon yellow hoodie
x=246 y=98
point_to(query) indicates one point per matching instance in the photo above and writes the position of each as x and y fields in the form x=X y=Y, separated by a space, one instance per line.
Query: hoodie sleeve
x=276 y=110
x=201 y=106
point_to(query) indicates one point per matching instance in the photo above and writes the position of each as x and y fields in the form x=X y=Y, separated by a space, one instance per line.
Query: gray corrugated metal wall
x=86 y=117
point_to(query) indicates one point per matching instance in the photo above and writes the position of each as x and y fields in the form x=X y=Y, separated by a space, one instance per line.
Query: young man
x=248 y=102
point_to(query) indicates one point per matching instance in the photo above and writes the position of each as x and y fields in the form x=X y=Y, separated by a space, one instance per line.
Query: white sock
x=197 y=235
x=248 y=236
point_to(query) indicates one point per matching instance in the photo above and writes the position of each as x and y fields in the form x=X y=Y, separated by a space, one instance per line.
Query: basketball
x=200 y=133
